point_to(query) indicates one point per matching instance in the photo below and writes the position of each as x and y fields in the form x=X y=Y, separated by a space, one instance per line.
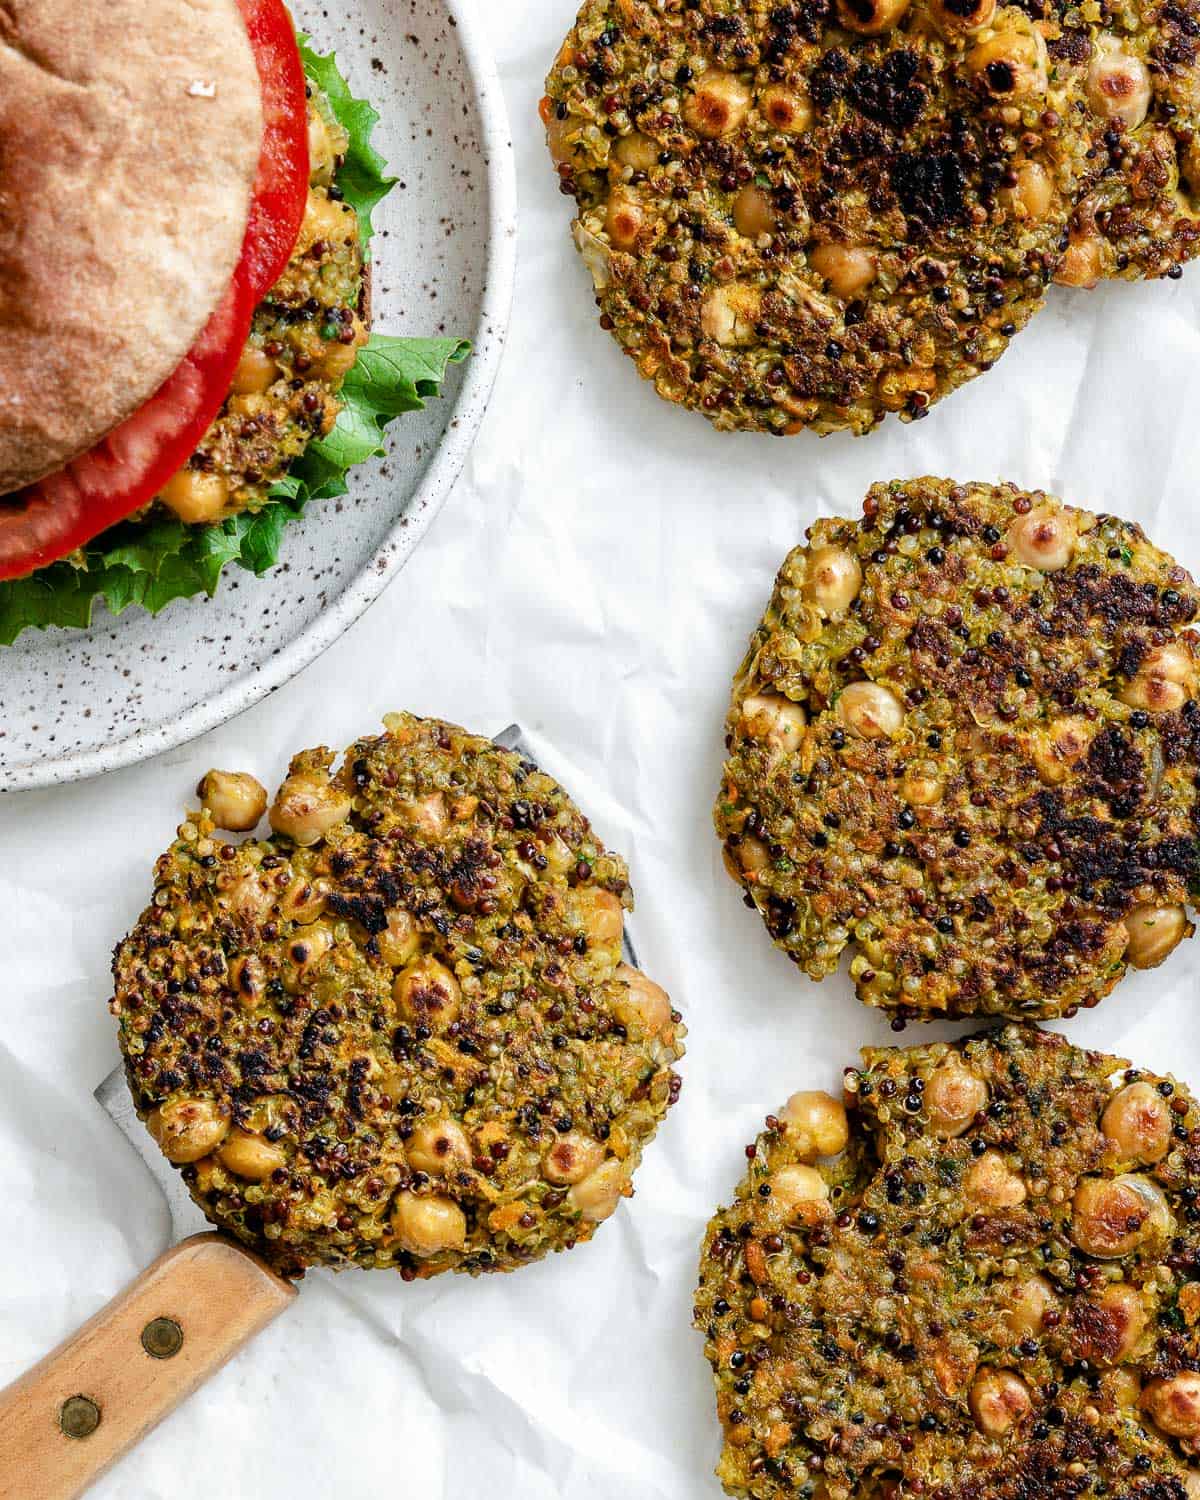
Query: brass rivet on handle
x=162 y=1338
x=78 y=1416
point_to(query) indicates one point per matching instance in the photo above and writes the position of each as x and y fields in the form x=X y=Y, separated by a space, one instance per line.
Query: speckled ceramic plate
x=75 y=703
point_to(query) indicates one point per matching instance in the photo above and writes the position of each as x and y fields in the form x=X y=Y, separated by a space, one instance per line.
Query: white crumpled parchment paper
x=595 y=576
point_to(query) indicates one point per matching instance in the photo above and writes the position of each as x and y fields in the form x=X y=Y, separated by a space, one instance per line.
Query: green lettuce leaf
x=150 y=563
x=363 y=177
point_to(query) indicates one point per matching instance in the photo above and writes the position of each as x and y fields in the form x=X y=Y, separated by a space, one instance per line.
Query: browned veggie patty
x=398 y=1032
x=303 y=343
x=813 y=214
x=983 y=1283
x=1138 y=66
x=965 y=740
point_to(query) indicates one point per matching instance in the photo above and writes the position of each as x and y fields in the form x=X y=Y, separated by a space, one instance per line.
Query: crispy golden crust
x=967 y=766
x=933 y=1328
x=410 y=1042
x=131 y=136
x=793 y=225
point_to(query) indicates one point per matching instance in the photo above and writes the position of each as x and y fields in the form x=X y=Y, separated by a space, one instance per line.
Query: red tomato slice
x=281 y=192
x=126 y=469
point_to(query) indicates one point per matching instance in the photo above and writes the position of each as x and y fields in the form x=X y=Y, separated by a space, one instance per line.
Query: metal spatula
x=99 y=1393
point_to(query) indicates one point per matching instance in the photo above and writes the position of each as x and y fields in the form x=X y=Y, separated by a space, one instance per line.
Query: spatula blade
x=114 y=1098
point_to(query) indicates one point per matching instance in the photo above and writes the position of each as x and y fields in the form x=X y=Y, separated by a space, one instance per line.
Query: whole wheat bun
x=130 y=133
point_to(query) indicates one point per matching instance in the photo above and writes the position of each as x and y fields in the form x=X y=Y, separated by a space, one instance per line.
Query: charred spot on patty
x=890 y=93
x=931 y=187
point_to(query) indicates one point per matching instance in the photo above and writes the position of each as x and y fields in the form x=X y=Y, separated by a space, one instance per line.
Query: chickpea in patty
x=974 y=1276
x=965 y=743
x=811 y=215
x=398 y=1032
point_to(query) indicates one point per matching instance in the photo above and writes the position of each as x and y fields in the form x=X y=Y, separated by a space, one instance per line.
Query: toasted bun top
x=129 y=141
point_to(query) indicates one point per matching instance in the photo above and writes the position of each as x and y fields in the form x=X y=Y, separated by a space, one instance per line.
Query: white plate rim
x=427 y=498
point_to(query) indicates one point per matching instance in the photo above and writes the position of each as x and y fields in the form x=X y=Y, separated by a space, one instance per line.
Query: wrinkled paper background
x=594 y=576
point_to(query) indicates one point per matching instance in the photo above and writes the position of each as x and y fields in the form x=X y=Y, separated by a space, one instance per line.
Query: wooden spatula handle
x=98 y=1394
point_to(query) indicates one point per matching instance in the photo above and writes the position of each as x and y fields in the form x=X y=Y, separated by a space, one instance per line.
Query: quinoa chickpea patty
x=813 y=214
x=1138 y=66
x=981 y=1281
x=965 y=740
x=399 y=1032
x=303 y=343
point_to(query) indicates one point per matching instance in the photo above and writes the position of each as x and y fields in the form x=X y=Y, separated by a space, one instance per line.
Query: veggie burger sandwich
x=185 y=358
